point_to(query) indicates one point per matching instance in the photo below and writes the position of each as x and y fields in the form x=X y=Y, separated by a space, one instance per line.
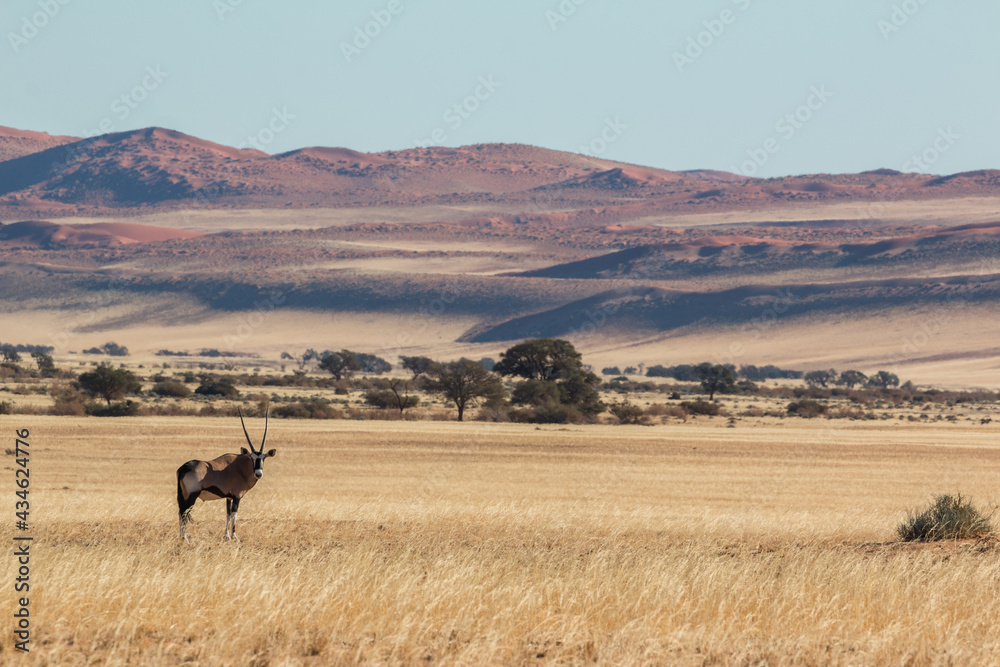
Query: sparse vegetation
x=111 y=349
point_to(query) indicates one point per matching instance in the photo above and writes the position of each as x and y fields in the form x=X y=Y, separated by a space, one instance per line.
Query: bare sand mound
x=41 y=233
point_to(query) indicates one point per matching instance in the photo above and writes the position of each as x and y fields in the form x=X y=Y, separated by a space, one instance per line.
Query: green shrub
x=946 y=518
x=217 y=387
x=171 y=388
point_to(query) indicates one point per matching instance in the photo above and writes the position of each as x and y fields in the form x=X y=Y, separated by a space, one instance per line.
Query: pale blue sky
x=610 y=67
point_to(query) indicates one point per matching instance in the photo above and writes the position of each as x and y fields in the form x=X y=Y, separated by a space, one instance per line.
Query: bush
x=5 y=408
x=119 y=409
x=171 y=388
x=947 y=518
x=112 y=349
x=535 y=392
x=628 y=412
x=308 y=409
x=557 y=413
x=611 y=370
x=664 y=410
x=807 y=408
x=701 y=407
x=386 y=399
x=217 y=387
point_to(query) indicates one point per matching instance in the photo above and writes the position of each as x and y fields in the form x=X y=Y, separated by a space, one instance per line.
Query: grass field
x=448 y=543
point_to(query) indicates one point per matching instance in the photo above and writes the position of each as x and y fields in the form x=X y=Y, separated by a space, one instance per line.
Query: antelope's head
x=256 y=456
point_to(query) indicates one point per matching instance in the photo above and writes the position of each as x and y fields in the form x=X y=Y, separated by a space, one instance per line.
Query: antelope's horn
x=262 y=442
x=245 y=430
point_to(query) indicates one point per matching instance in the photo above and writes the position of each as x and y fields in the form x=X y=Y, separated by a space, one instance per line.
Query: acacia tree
x=9 y=353
x=540 y=359
x=303 y=360
x=416 y=365
x=851 y=378
x=108 y=383
x=463 y=382
x=884 y=380
x=553 y=375
x=339 y=364
x=716 y=378
x=46 y=365
x=820 y=378
x=392 y=393
x=369 y=363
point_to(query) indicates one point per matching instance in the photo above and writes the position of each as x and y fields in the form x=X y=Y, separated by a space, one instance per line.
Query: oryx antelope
x=230 y=476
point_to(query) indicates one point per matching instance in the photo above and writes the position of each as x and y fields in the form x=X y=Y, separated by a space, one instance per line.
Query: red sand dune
x=16 y=143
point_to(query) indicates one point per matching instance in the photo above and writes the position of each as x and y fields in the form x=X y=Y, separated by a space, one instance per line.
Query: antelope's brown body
x=229 y=476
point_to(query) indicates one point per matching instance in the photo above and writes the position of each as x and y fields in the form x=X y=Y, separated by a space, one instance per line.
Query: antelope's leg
x=236 y=507
x=229 y=515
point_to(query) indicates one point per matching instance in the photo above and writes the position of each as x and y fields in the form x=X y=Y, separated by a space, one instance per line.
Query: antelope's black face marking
x=258 y=461
x=258 y=464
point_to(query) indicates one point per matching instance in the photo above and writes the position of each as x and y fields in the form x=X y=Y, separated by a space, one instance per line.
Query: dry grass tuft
x=946 y=518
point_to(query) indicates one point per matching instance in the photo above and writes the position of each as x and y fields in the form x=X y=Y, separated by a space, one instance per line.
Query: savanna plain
x=485 y=543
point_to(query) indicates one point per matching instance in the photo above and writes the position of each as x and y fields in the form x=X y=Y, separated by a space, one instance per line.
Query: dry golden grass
x=446 y=543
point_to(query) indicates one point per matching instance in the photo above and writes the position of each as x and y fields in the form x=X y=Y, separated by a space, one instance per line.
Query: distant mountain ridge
x=160 y=169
